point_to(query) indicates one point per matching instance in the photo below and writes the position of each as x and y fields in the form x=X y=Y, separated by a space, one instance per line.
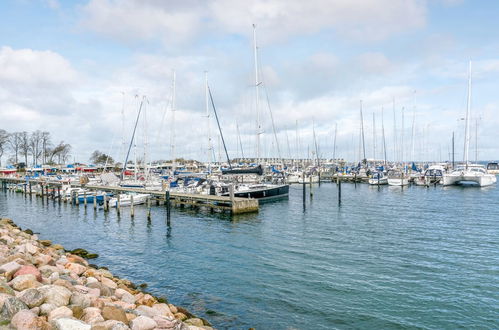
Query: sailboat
x=469 y=173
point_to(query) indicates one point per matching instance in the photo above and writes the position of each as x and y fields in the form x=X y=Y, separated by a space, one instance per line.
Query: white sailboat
x=475 y=174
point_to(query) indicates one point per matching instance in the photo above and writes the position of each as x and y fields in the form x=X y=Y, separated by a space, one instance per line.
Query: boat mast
x=334 y=143
x=413 y=127
x=239 y=138
x=257 y=97
x=172 y=131
x=123 y=143
x=383 y=133
x=362 y=131
x=476 y=140
x=394 y=133
x=210 y=146
x=467 y=124
x=374 y=138
x=402 y=139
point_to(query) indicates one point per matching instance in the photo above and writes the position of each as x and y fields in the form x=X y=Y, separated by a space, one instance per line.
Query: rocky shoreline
x=42 y=286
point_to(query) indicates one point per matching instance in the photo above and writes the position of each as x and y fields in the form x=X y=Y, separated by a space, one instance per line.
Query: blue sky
x=66 y=64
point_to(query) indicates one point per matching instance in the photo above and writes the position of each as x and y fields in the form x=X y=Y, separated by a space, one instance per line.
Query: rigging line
x=219 y=128
x=131 y=140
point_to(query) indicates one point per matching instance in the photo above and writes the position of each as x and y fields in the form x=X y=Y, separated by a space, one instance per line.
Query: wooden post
x=355 y=179
x=319 y=174
x=339 y=192
x=148 y=208
x=168 y=207
x=106 y=203
x=76 y=198
x=59 y=193
x=311 y=192
x=118 y=198
x=41 y=188
x=95 y=200
x=304 y=191
x=85 y=198
x=132 y=213
x=30 y=190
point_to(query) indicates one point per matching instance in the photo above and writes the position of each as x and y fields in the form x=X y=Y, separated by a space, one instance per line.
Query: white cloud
x=176 y=21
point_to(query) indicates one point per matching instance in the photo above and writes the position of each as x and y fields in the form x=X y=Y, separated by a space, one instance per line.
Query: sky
x=72 y=68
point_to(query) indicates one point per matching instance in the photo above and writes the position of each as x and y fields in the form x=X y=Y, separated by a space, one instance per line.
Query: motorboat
x=378 y=178
x=432 y=175
x=126 y=199
x=493 y=168
x=397 y=177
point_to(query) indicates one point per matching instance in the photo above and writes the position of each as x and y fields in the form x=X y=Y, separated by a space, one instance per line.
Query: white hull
x=398 y=182
x=126 y=200
x=375 y=182
x=482 y=180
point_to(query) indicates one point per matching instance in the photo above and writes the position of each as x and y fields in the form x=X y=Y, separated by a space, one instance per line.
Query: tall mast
x=362 y=130
x=240 y=141
x=123 y=143
x=467 y=124
x=394 y=133
x=334 y=143
x=476 y=140
x=402 y=138
x=172 y=131
x=383 y=133
x=413 y=127
x=144 y=162
x=374 y=137
x=210 y=146
x=257 y=97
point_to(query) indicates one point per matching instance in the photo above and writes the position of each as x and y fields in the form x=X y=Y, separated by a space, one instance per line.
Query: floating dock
x=234 y=205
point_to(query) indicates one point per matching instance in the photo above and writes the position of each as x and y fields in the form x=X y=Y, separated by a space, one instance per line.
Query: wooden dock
x=234 y=205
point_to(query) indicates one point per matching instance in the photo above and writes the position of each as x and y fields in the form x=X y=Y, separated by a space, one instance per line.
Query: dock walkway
x=235 y=205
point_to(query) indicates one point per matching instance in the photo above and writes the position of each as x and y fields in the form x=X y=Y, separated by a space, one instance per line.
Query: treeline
x=32 y=148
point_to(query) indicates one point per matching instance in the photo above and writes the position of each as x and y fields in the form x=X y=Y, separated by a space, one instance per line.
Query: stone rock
x=165 y=323
x=31 y=297
x=105 y=273
x=77 y=311
x=70 y=324
x=147 y=311
x=109 y=283
x=173 y=309
x=9 y=269
x=142 y=323
x=35 y=310
x=24 y=319
x=114 y=313
x=194 y=321
x=53 y=277
x=104 y=290
x=46 y=242
x=130 y=316
x=57 y=246
x=180 y=316
x=75 y=268
x=91 y=279
x=11 y=307
x=125 y=296
x=92 y=315
x=163 y=309
x=43 y=259
x=64 y=283
x=109 y=325
x=77 y=259
x=55 y=294
x=6 y=289
x=45 y=309
x=29 y=269
x=47 y=270
x=80 y=299
x=60 y=312
x=23 y=282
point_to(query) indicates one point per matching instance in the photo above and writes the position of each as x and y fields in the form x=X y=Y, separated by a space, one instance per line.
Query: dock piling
x=148 y=208
x=95 y=201
x=85 y=198
x=132 y=211
x=118 y=198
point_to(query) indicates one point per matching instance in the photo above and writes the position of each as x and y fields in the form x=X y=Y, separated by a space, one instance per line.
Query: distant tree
x=60 y=151
x=46 y=144
x=100 y=158
x=15 y=145
x=4 y=138
x=24 y=146
x=35 y=145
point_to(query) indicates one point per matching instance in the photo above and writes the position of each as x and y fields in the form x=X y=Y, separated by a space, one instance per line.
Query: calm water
x=412 y=258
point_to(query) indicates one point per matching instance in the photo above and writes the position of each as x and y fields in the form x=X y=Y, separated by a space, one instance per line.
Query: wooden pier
x=234 y=205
